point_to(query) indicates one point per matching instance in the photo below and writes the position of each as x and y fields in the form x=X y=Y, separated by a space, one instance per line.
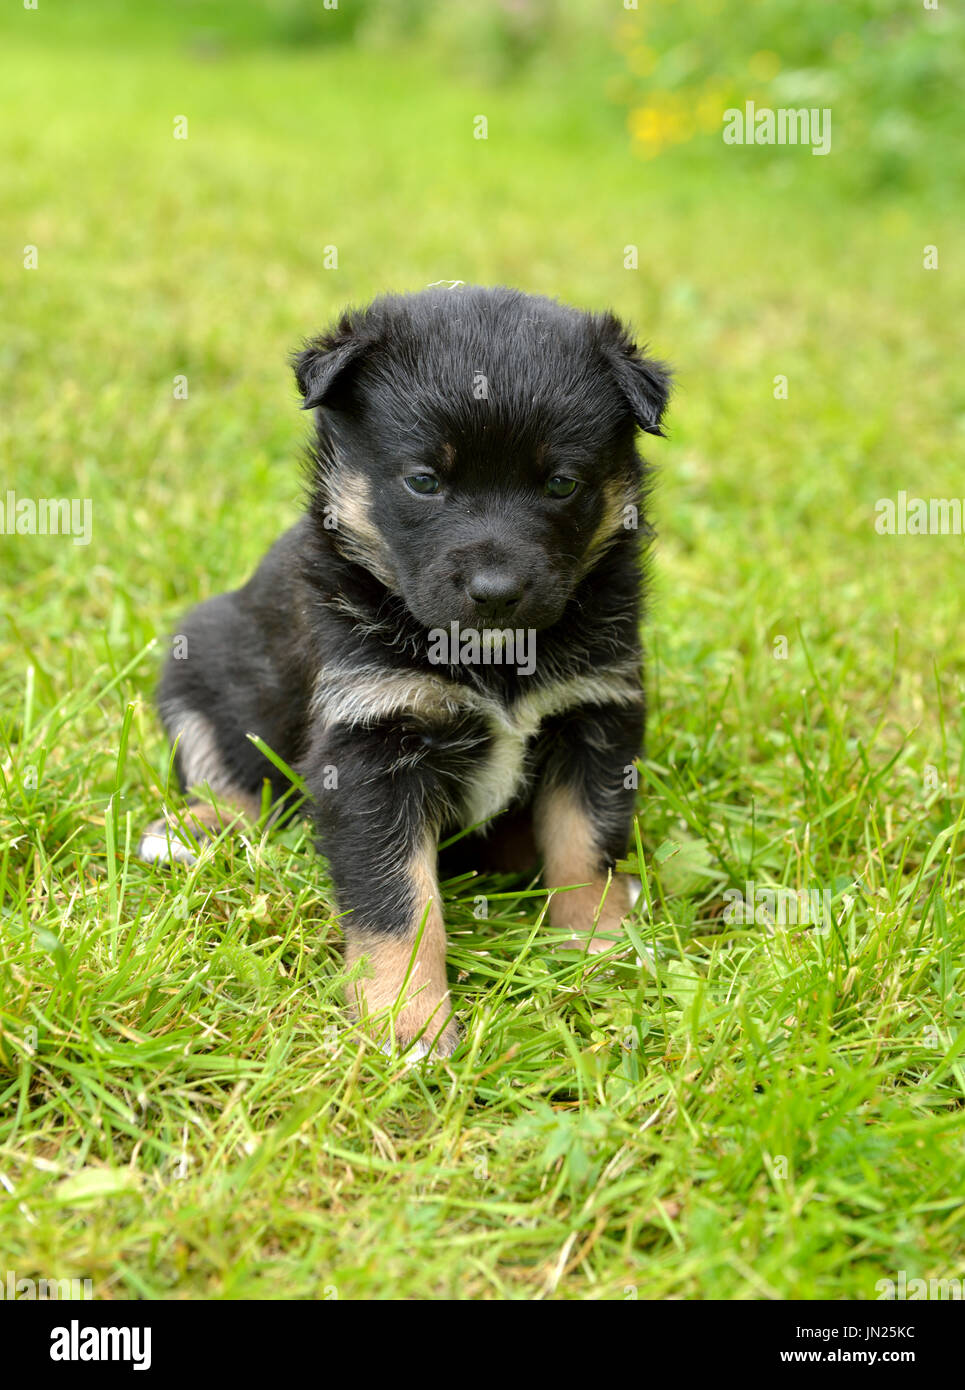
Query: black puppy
x=450 y=632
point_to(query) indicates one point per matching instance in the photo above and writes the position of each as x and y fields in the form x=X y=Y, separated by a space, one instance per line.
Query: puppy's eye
x=561 y=487
x=425 y=484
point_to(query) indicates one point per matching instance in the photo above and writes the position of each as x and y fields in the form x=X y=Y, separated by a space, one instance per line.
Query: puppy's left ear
x=322 y=367
x=644 y=381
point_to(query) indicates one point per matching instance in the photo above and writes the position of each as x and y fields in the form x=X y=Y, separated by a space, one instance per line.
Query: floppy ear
x=321 y=367
x=644 y=381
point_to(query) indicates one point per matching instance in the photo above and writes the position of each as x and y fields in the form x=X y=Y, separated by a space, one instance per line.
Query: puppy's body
x=450 y=426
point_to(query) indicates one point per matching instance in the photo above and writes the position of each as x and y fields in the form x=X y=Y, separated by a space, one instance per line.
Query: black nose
x=495 y=591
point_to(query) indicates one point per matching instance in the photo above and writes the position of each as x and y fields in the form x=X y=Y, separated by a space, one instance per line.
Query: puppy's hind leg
x=176 y=838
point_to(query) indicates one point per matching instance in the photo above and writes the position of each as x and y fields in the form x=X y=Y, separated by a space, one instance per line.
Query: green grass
x=723 y=1110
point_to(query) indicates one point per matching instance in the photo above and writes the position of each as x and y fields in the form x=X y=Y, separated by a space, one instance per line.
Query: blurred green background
x=604 y=180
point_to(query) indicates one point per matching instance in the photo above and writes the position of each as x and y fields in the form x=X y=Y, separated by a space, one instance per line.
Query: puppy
x=449 y=633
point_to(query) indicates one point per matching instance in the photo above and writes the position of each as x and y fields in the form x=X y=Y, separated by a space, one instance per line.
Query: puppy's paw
x=401 y=992
x=179 y=841
x=592 y=945
x=422 y=1028
x=429 y=1046
x=161 y=844
x=594 y=914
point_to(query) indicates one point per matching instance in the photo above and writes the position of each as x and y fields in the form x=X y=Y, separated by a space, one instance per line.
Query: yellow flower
x=645 y=124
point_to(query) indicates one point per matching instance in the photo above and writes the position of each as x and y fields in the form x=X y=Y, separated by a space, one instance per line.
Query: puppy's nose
x=495 y=591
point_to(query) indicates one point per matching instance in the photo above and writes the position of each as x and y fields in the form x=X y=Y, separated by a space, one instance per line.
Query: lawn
x=725 y=1109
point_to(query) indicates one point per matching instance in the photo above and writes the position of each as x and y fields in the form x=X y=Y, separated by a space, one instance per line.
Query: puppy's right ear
x=644 y=381
x=322 y=367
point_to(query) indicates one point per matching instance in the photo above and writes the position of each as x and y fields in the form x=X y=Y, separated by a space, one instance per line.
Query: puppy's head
x=475 y=447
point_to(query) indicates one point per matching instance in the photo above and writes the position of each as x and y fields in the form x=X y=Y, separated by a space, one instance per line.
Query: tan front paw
x=403 y=1002
x=409 y=1034
x=594 y=914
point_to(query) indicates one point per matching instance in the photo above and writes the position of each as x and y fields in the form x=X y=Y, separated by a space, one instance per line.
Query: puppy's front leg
x=400 y=932
x=582 y=813
x=379 y=828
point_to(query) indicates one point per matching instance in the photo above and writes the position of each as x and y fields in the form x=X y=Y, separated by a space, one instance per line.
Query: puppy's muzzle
x=495 y=593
